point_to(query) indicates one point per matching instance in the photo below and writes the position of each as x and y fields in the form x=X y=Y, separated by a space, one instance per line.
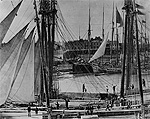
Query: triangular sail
x=23 y=88
x=5 y=24
x=101 y=50
x=25 y=47
x=119 y=18
x=7 y=73
x=7 y=48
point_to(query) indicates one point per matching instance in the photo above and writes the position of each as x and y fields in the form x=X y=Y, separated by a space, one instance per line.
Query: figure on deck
x=57 y=105
x=107 y=106
x=29 y=111
x=91 y=109
x=107 y=89
x=143 y=80
x=36 y=110
x=84 y=88
x=114 y=89
x=67 y=100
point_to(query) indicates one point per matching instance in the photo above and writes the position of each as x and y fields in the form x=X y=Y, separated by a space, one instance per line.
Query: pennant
x=140 y=13
x=139 y=6
x=143 y=21
x=119 y=18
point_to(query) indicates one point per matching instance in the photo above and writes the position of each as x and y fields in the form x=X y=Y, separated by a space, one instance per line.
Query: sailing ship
x=101 y=50
x=84 y=67
x=130 y=82
x=26 y=65
x=132 y=97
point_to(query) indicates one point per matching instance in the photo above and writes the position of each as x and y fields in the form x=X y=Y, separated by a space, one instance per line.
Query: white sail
x=24 y=49
x=23 y=88
x=101 y=50
x=5 y=24
x=8 y=48
x=7 y=73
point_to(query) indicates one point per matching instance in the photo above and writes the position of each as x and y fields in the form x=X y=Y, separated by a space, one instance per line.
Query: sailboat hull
x=80 y=68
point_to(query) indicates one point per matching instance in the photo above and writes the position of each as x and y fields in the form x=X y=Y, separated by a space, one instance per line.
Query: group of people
x=89 y=109
x=29 y=110
x=113 y=87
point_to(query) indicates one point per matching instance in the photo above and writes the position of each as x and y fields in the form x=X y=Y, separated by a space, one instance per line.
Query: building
x=82 y=48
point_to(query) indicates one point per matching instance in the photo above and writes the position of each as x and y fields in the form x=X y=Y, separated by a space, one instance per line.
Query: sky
x=75 y=13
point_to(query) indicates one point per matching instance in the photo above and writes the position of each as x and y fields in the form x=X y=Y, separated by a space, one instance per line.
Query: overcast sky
x=75 y=13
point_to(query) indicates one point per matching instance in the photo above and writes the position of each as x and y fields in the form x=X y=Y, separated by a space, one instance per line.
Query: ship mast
x=117 y=41
x=130 y=19
x=112 y=39
x=41 y=54
x=51 y=53
x=138 y=57
x=46 y=36
x=124 y=51
x=89 y=35
x=103 y=29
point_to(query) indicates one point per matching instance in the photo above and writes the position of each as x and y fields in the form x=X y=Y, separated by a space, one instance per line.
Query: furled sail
x=23 y=87
x=37 y=69
x=5 y=24
x=101 y=50
x=7 y=72
x=7 y=48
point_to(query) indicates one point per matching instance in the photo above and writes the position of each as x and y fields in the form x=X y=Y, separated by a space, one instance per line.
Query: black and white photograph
x=74 y=59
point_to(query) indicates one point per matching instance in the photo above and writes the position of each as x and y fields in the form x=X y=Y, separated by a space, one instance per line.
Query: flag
x=139 y=6
x=143 y=21
x=119 y=18
x=140 y=13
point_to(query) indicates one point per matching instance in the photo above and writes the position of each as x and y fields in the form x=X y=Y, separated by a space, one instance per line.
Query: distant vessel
x=82 y=67
x=101 y=50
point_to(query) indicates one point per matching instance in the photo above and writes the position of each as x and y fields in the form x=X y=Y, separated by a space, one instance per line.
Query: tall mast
x=117 y=40
x=47 y=11
x=103 y=29
x=41 y=53
x=146 y=43
x=124 y=47
x=79 y=33
x=112 y=33
x=54 y=11
x=43 y=11
x=138 y=58
x=129 y=51
x=103 y=24
x=89 y=34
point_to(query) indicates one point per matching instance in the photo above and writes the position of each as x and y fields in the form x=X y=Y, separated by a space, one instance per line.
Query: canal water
x=93 y=84
x=96 y=84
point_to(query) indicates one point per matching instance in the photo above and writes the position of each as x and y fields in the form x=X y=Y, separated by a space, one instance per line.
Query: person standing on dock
x=67 y=100
x=84 y=88
x=36 y=110
x=144 y=84
x=107 y=89
x=107 y=106
x=29 y=111
x=57 y=105
x=114 y=89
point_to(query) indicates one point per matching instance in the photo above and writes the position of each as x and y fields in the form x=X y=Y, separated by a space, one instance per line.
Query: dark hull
x=80 y=68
